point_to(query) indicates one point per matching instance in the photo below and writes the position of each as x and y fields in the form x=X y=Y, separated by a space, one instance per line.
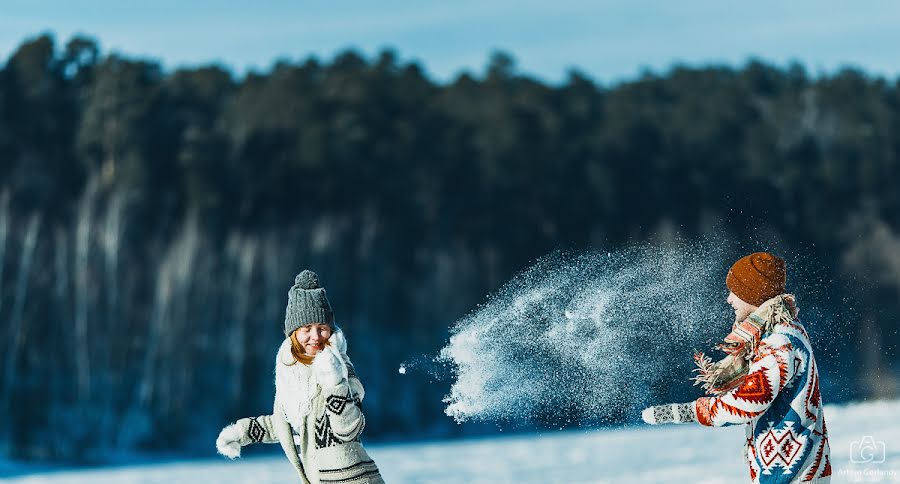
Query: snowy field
x=676 y=454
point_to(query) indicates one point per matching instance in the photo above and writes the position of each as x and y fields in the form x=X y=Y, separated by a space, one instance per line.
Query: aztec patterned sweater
x=779 y=401
x=317 y=426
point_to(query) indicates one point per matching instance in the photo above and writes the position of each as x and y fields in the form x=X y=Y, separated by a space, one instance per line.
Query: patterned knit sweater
x=779 y=400
x=318 y=427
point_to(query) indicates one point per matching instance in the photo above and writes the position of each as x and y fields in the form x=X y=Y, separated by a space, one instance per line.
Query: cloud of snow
x=581 y=337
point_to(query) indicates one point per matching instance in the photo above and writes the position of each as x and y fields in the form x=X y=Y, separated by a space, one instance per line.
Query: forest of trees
x=151 y=221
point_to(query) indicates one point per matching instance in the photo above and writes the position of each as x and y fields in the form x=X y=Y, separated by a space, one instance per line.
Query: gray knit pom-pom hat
x=307 y=303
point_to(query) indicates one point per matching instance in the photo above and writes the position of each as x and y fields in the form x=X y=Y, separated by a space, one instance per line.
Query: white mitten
x=338 y=341
x=229 y=441
x=670 y=413
x=329 y=368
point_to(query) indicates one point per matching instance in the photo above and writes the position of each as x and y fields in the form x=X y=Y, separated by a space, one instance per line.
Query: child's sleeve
x=246 y=431
x=343 y=406
x=769 y=372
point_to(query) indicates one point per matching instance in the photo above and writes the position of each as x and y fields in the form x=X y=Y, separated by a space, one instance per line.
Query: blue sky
x=610 y=40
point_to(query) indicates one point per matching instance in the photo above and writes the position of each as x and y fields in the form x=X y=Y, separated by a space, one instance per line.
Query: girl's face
x=742 y=310
x=312 y=337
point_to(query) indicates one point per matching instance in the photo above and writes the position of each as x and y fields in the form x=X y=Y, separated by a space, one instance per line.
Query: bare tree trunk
x=63 y=302
x=173 y=278
x=17 y=330
x=82 y=291
x=112 y=233
x=4 y=234
x=182 y=330
x=242 y=254
x=161 y=301
x=110 y=245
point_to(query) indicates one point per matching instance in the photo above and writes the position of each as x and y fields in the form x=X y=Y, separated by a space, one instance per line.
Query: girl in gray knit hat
x=317 y=416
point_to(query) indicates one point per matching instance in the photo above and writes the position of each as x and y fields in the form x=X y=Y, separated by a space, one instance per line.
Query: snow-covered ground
x=676 y=454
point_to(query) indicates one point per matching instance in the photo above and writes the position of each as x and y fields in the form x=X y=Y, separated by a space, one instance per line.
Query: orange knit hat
x=756 y=278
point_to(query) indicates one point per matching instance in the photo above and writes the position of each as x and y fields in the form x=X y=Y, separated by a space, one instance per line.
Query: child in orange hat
x=768 y=380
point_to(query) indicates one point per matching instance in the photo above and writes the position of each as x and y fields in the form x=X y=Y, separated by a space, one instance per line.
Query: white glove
x=229 y=441
x=328 y=367
x=670 y=413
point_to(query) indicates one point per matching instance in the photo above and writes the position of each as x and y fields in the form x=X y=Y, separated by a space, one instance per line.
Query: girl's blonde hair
x=297 y=352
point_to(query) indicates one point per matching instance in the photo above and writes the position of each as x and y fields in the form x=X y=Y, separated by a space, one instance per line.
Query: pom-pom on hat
x=307 y=303
x=756 y=278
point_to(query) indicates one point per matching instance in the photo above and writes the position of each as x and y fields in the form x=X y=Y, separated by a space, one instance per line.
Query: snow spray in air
x=578 y=337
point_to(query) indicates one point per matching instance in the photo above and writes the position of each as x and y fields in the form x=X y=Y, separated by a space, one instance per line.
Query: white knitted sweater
x=324 y=423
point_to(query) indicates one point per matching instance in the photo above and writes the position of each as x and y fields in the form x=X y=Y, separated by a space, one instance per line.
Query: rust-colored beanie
x=756 y=278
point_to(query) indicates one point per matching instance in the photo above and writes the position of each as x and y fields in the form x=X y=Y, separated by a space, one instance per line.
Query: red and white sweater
x=780 y=403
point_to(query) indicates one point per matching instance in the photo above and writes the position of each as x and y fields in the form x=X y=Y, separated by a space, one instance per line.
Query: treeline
x=151 y=222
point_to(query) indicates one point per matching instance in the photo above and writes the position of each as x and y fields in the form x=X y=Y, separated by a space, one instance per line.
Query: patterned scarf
x=740 y=346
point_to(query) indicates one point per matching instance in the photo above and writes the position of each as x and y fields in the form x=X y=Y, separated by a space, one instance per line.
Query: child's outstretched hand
x=328 y=367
